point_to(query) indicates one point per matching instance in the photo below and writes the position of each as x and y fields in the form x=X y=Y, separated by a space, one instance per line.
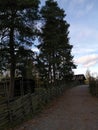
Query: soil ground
x=76 y=109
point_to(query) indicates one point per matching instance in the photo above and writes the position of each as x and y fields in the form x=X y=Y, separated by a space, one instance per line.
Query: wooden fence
x=15 y=112
x=93 y=86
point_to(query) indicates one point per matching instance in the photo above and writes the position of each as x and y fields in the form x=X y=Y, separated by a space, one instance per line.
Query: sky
x=82 y=15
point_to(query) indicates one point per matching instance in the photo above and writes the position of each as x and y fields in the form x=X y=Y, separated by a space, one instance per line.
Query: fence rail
x=15 y=112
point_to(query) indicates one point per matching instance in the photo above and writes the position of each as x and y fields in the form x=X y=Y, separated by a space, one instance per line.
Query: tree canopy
x=19 y=22
x=18 y=4
x=55 y=59
x=17 y=30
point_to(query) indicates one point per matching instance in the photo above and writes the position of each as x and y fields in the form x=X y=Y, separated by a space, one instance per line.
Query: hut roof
x=79 y=77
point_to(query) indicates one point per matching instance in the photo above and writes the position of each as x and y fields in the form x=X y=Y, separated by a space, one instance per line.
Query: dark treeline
x=21 y=23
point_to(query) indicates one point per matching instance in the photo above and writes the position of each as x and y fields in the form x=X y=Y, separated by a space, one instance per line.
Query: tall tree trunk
x=53 y=65
x=54 y=76
x=12 y=57
x=12 y=61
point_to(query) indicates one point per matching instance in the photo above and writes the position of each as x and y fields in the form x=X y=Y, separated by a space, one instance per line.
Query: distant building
x=80 y=78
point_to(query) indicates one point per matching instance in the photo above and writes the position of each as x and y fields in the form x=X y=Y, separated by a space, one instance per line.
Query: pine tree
x=55 y=60
x=25 y=63
x=17 y=29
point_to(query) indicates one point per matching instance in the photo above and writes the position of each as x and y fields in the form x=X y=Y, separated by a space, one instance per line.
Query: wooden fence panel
x=4 y=120
x=14 y=112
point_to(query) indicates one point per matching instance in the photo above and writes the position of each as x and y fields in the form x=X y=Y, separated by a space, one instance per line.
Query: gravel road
x=75 y=110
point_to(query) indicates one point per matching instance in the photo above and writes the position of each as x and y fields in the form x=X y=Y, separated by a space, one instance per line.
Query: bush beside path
x=75 y=110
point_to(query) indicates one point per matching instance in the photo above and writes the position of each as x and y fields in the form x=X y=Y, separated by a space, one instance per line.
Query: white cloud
x=87 y=61
x=80 y=7
x=79 y=50
x=83 y=31
x=74 y=3
x=89 y=7
x=85 y=11
x=80 y=1
x=84 y=37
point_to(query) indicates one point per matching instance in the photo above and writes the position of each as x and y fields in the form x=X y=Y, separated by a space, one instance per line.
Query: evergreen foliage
x=17 y=30
x=55 y=61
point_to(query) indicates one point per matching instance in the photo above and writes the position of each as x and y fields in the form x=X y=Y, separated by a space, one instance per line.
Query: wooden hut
x=80 y=78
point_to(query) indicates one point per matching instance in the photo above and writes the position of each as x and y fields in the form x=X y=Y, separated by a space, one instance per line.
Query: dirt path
x=75 y=110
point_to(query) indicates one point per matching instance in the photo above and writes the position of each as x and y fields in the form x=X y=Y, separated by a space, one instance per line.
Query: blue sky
x=82 y=15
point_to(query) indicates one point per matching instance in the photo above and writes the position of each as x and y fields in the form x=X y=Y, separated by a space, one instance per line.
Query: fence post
x=31 y=105
x=10 y=117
